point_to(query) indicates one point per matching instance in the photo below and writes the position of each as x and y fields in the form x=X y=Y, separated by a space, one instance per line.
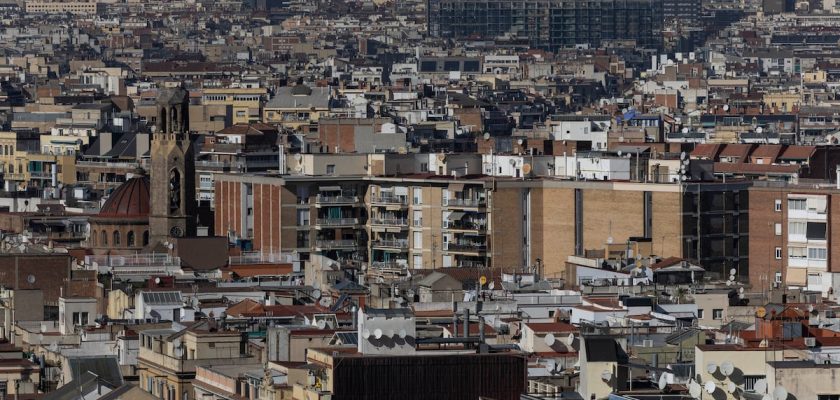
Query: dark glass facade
x=550 y=24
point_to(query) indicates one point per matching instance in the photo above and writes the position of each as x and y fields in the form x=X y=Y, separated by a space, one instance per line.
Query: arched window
x=145 y=238
x=116 y=238
x=163 y=126
x=93 y=238
x=103 y=238
x=129 y=239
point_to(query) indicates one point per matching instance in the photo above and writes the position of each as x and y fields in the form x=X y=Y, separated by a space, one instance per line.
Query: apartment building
x=168 y=359
x=793 y=240
x=246 y=103
x=61 y=7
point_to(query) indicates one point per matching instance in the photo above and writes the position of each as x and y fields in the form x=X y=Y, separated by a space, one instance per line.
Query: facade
x=794 y=243
x=246 y=103
x=550 y=24
x=62 y=7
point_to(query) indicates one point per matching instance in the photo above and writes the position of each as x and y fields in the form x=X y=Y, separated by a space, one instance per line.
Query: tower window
x=116 y=238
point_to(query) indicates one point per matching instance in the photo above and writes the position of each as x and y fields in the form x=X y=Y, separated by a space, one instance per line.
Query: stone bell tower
x=172 y=180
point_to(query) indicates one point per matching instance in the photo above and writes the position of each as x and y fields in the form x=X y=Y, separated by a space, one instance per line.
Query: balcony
x=322 y=245
x=336 y=200
x=464 y=226
x=336 y=222
x=397 y=244
x=400 y=222
x=400 y=264
x=389 y=200
x=465 y=247
x=464 y=203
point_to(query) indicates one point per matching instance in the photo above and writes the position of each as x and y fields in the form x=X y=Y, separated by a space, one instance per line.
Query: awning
x=456 y=215
x=329 y=188
x=456 y=187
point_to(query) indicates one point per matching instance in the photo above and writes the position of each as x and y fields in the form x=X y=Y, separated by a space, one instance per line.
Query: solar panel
x=348 y=337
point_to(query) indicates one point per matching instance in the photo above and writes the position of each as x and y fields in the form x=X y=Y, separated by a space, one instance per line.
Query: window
x=797 y=252
x=778 y=205
x=828 y=397
x=816 y=253
x=717 y=313
x=797 y=228
x=700 y=313
x=145 y=238
x=330 y=169
x=103 y=241
x=778 y=229
x=816 y=231
x=778 y=253
x=750 y=380
x=212 y=345
x=129 y=239
x=796 y=204
x=116 y=238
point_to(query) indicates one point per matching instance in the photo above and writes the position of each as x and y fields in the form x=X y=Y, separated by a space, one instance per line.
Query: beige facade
x=246 y=103
x=60 y=7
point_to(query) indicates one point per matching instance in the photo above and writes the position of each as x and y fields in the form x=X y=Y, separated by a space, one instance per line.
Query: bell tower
x=173 y=208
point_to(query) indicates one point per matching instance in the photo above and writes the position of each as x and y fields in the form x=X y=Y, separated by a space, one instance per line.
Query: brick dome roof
x=131 y=199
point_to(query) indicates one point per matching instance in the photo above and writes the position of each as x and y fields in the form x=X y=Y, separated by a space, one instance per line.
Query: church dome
x=131 y=199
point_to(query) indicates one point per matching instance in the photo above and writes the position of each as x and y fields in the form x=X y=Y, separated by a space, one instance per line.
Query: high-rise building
x=550 y=24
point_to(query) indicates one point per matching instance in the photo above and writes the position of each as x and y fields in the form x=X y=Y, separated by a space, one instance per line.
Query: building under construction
x=550 y=24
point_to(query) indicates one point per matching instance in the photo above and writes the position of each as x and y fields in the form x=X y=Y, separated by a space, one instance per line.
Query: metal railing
x=389 y=200
x=335 y=244
x=465 y=247
x=464 y=202
x=389 y=221
x=391 y=243
x=336 y=199
x=337 y=221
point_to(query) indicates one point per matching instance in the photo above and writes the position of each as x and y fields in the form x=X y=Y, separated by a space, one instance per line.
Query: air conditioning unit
x=810 y=342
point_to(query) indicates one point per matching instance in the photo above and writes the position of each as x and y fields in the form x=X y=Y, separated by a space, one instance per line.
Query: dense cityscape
x=420 y=199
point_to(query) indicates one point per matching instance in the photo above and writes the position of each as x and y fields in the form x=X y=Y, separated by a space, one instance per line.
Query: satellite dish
x=741 y=290
x=731 y=387
x=760 y=312
x=733 y=271
x=526 y=169
x=487 y=136
x=695 y=390
x=606 y=375
x=619 y=153
x=759 y=130
x=728 y=283
x=316 y=294
x=684 y=130
x=157 y=280
x=520 y=141
x=683 y=155
x=760 y=386
x=727 y=368
x=726 y=107
x=366 y=333
x=662 y=382
x=298 y=157
x=549 y=339
x=711 y=368
x=31 y=279
x=780 y=393
x=322 y=324
x=402 y=333
x=491 y=286
x=377 y=333
x=325 y=302
x=512 y=162
x=710 y=387
x=571 y=339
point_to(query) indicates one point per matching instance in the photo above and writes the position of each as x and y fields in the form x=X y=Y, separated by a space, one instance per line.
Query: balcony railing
x=337 y=221
x=389 y=264
x=336 y=244
x=389 y=200
x=465 y=247
x=389 y=221
x=391 y=243
x=464 y=202
x=337 y=199
x=464 y=226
